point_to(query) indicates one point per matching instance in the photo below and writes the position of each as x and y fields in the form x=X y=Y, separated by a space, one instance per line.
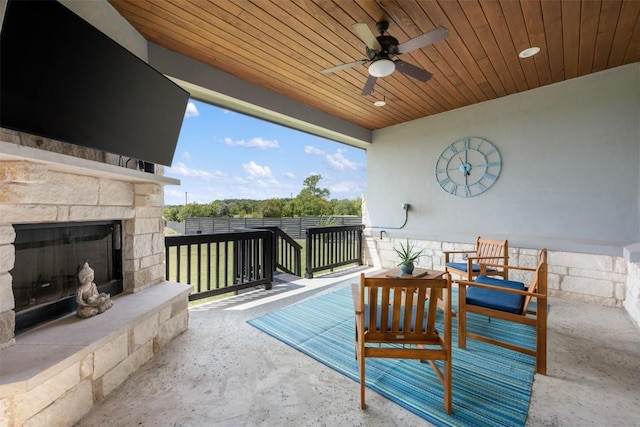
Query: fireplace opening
x=47 y=260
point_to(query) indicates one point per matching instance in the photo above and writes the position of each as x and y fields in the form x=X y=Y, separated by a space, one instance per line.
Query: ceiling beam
x=227 y=91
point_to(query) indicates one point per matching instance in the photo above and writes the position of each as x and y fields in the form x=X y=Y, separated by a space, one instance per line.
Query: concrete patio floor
x=224 y=372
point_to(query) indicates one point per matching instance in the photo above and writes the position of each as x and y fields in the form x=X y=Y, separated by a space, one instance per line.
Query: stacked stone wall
x=598 y=279
x=632 y=299
x=73 y=385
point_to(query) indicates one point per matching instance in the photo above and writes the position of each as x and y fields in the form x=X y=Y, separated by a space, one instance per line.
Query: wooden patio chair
x=495 y=252
x=393 y=311
x=508 y=300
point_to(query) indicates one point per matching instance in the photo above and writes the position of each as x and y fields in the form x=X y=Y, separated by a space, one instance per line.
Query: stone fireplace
x=47 y=260
x=78 y=360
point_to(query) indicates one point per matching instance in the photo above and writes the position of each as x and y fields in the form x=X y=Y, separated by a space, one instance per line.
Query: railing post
x=269 y=257
x=359 y=245
x=309 y=255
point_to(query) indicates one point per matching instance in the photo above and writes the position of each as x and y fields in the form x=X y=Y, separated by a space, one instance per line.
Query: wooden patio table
x=418 y=273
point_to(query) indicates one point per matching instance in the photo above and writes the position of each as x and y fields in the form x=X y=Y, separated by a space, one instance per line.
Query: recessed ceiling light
x=529 y=52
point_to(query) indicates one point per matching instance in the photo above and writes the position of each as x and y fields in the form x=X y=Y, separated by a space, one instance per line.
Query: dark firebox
x=47 y=260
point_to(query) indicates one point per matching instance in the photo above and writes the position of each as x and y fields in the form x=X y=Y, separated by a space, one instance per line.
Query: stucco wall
x=570 y=173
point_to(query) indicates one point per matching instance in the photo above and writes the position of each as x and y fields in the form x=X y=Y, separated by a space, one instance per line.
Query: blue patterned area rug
x=491 y=385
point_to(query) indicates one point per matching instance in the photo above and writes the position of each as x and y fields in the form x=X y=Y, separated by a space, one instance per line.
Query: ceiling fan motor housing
x=389 y=44
x=389 y=48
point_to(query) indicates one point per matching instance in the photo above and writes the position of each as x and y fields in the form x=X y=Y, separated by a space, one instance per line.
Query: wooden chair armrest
x=505 y=257
x=510 y=267
x=447 y=253
x=355 y=293
x=500 y=289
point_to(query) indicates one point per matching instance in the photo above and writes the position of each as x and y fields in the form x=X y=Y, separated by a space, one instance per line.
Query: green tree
x=310 y=201
x=242 y=208
x=271 y=208
x=171 y=213
x=223 y=209
x=346 y=207
x=192 y=210
x=308 y=205
x=310 y=187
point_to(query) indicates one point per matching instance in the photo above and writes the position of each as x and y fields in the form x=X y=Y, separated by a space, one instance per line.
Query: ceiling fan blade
x=368 y=86
x=426 y=39
x=344 y=66
x=364 y=32
x=413 y=71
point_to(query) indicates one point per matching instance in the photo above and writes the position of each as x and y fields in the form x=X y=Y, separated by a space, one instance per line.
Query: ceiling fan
x=382 y=50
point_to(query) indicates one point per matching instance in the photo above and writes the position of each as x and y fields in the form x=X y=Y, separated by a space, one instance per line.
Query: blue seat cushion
x=496 y=300
x=462 y=266
x=413 y=318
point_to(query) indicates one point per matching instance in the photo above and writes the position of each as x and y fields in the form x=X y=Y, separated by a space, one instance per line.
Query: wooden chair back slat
x=490 y=248
x=487 y=251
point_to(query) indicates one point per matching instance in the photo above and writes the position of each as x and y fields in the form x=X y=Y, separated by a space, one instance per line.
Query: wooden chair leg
x=541 y=337
x=447 y=385
x=462 y=317
x=362 y=380
x=448 y=363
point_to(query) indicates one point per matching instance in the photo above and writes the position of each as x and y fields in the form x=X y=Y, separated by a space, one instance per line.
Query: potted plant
x=408 y=255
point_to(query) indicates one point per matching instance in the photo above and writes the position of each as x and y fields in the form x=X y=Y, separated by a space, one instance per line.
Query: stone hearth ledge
x=54 y=373
x=13 y=151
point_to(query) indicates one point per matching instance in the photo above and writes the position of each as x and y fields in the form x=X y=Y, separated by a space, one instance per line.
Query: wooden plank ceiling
x=282 y=45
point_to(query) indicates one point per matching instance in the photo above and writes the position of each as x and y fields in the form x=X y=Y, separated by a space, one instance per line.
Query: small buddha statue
x=90 y=301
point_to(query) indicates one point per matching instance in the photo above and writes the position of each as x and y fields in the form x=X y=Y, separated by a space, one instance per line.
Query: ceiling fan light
x=382 y=67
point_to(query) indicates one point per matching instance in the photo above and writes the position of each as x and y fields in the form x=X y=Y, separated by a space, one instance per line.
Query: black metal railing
x=331 y=247
x=220 y=263
x=287 y=252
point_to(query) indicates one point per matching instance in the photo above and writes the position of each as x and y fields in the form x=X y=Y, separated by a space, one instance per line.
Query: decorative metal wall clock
x=468 y=167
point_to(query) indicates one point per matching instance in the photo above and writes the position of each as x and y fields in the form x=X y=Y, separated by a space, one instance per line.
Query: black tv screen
x=62 y=78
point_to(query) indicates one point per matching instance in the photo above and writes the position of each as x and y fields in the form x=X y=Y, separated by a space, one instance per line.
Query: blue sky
x=222 y=154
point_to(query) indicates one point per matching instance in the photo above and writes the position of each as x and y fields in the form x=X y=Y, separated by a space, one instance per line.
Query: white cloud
x=339 y=162
x=309 y=149
x=256 y=142
x=336 y=161
x=346 y=187
x=173 y=194
x=255 y=170
x=266 y=184
x=182 y=170
x=191 y=111
x=289 y=175
x=186 y=155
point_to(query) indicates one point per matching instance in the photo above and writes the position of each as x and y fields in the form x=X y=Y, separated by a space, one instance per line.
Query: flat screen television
x=62 y=78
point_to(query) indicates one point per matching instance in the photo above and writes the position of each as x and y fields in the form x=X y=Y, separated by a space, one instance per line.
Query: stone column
x=7 y=302
x=144 y=257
